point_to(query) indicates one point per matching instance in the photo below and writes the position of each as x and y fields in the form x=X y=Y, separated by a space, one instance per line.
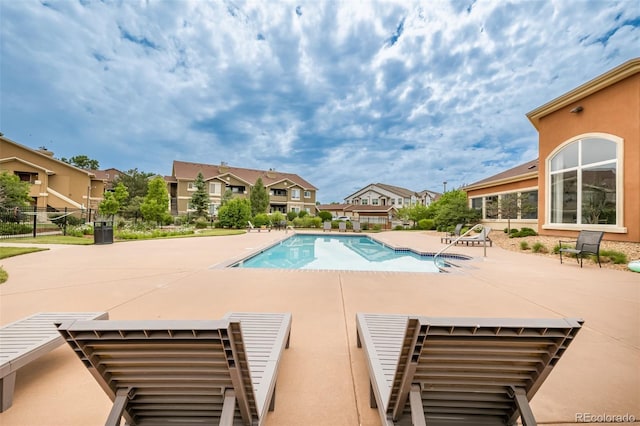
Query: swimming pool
x=340 y=252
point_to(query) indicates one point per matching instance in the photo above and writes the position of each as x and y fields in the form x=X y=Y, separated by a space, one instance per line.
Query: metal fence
x=33 y=222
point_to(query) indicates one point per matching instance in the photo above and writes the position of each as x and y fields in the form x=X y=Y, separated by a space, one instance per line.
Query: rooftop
x=323 y=375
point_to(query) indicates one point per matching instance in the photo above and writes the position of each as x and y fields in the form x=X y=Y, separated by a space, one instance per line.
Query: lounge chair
x=26 y=340
x=250 y=227
x=326 y=226
x=588 y=242
x=479 y=238
x=356 y=226
x=452 y=235
x=455 y=371
x=342 y=226
x=185 y=372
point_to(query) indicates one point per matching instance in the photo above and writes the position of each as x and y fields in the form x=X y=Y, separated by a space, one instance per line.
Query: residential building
x=380 y=194
x=54 y=184
x=287 y=191
x=588 y=172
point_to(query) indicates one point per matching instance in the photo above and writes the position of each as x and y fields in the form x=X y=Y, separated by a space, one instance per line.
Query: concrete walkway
x=323 y=376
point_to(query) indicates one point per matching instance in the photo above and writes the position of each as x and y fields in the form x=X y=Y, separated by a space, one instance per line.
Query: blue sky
x=343 y=93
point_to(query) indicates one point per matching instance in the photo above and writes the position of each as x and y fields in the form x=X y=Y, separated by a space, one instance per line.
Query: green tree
x=325 y=216
x=156 y=203
x=135 y=181
x=235 y=213
x=109 y=206
x=452 y=208
x=259 y=198
x=112 y=201
x=200 y=198
x=82 y=161
x=226 y=197
x=13 y=192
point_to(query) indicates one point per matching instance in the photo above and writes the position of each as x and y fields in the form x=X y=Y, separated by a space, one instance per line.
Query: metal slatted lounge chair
x=26 y=340
x=588 y=242
x=452 y=235
x=455 y=371
x=342 y=227
x=326 y=226
x=479 y=238
x=185 y=372
x=356 y=226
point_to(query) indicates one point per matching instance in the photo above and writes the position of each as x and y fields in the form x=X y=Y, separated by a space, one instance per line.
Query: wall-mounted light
x=577 y=109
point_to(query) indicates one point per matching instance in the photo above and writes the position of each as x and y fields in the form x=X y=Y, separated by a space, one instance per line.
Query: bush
x=524 y=245
x=398 y=228
x=615 y=256
x=377 y=227
x=515 y=231
x=261 y=219
x=426 y=224
x=325 y=216
x=302 y=214
x=291 y=216
x=538 y=247
x=524 y=232
x=201 y=223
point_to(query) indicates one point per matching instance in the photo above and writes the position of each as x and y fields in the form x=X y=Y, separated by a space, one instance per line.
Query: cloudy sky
x=343 y=93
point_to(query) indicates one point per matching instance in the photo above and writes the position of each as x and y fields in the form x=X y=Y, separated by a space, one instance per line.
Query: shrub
x=615 y=256
x=524 y=245
x=538 y=247
x=201 y=223
x=515 y=230
x=325 y=216
x=377 y=227
x=302 y=213
x=291 y=215
x=524 y=232
x=426 y=224
x=397 y=228
x=261 y=219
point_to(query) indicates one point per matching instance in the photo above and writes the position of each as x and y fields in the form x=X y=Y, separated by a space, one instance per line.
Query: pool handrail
x=455 y=241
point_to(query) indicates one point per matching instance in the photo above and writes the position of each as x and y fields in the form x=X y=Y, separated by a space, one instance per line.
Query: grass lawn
x=52 y=239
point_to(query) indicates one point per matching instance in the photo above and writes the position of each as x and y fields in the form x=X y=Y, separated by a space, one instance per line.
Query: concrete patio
x=323 y=375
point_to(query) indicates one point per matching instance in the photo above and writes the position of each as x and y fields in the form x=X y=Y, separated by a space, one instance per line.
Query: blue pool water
x=338 y=252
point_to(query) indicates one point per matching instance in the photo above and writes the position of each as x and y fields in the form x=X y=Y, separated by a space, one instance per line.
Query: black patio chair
x=588 y=242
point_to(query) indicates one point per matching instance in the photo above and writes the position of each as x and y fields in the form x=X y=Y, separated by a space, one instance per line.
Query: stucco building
x=587 y=175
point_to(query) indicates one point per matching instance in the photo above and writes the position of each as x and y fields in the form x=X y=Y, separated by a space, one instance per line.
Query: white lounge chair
x=479 y=238
x=459 y=371
x=326 y=226
x=26 y=340
x=185 y=372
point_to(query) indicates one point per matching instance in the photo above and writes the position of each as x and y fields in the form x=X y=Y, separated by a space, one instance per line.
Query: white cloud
x=343 y=93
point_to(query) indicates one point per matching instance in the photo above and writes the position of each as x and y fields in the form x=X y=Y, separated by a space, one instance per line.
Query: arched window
x=584 y=183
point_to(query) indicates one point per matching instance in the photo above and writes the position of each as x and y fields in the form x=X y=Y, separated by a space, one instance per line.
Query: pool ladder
x=454 y=242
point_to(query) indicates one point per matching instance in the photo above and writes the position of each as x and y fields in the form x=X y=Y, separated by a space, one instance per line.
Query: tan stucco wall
x=614 y=110
x=66 y=180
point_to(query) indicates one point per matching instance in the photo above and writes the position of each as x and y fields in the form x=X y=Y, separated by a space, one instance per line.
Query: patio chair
x=326 y=226
x=455 y=371
x=251 y=227
x=185 y=372
x=342 y=226
x=588 y=242
x=355 y=226
x=28 y=339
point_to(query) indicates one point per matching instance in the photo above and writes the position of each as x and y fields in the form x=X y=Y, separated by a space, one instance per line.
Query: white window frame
x=307 y=194
x=191 y=186
x=613 y=228
x=295 y=193
x=215 y=185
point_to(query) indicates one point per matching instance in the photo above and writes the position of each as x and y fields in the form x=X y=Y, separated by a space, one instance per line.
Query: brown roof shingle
x=187 y=170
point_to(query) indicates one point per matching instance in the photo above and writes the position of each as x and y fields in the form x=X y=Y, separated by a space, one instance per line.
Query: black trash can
x=103 y=232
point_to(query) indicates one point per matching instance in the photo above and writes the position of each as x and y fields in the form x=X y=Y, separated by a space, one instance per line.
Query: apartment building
x=287 y=191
